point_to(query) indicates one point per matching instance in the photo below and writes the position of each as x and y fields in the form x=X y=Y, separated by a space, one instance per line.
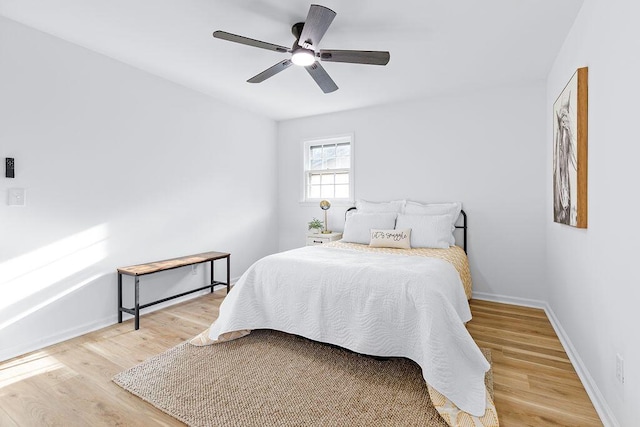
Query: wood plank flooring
x=534 y=381
x=69 y=384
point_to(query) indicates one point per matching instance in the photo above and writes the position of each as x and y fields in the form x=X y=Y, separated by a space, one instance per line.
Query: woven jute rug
x=270 y=378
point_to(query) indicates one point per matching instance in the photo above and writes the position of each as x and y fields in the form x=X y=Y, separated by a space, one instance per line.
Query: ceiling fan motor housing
x=296 y=30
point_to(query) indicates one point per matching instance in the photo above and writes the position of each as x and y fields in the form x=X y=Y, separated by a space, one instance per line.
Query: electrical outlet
x=619 y=368
x=194 y=269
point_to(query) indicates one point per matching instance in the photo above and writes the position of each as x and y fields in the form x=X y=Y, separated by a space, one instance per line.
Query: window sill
x=337 y=203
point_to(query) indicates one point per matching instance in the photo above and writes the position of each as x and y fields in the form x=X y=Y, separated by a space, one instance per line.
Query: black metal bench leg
x=228 y=273
x=212 y=276
x=119 y=298
x=137 y=309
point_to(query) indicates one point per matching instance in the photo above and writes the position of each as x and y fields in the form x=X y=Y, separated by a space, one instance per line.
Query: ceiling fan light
x=303 y=57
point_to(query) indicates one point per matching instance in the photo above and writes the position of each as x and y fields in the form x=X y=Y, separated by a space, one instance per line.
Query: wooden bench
x=153 y=267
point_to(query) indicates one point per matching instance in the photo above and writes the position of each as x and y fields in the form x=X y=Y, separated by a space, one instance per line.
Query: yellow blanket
x=454 y=255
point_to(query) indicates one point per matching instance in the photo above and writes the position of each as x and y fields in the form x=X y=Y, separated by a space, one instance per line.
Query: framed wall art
x=570 y=152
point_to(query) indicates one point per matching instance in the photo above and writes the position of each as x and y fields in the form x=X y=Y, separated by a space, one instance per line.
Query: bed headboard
x=463 y=226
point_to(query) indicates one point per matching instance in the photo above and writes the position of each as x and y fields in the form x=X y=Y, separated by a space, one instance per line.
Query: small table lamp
x=325 y=205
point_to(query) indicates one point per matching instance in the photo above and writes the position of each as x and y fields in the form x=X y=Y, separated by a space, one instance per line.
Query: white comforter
x=376 y=304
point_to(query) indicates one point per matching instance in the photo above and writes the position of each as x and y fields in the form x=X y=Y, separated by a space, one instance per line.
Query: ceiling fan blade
x=271 y=71
x=250 y=42
x=322 y=78
x=372 y=57
x=318 y=20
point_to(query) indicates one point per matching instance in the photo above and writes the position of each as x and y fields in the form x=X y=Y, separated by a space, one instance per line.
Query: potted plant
x=315 y=225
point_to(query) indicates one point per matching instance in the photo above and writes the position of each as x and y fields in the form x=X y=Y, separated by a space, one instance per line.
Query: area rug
x=270 y=378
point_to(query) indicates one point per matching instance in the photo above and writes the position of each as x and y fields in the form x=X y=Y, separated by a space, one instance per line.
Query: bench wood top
x=168 y=264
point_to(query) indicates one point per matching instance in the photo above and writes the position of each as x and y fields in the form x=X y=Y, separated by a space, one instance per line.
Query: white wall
x=120 y=168
x=484 y=149
x=593 y=286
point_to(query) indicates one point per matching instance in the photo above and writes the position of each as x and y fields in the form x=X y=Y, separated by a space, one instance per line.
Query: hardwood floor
x=70 y=383
x=534 y=381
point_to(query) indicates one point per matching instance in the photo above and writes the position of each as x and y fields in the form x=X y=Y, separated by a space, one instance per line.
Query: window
x=328 y=169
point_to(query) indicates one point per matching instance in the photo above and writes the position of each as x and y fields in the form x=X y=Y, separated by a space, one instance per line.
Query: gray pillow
x=357 y=228
x=427 y=231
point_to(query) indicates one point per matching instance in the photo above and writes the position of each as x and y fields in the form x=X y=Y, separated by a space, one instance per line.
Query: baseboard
x=10 y=353
x=524 y=302
x=597 y=399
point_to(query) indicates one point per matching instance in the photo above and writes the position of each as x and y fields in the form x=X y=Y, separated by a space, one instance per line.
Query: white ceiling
x=437 y=46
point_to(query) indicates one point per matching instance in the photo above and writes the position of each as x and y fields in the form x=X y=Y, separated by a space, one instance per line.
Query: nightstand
x=319 y=238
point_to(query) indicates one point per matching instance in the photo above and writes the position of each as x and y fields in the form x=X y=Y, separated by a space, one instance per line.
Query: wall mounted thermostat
x=10 y=167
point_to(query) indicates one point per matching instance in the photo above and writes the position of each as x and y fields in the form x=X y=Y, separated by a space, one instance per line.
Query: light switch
x=17 y=197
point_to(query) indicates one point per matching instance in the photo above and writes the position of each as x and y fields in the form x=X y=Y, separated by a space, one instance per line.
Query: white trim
x=597 y=399
x=334 y=202
x=525 y=302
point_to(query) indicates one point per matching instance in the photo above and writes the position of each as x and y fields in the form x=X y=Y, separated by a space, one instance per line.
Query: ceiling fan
x=305 y=52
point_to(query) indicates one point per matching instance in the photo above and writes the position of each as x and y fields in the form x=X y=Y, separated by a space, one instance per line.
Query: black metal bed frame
x=463 y=226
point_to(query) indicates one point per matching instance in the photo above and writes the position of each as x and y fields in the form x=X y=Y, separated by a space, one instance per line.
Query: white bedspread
x=376 y=304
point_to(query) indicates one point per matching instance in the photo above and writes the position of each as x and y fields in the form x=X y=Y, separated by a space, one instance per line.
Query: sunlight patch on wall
x=33 y=272
x=51 y=300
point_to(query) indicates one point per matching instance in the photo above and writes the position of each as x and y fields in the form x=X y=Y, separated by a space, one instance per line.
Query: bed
x=380 y=301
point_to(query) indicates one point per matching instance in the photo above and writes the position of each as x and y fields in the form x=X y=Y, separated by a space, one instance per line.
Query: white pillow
x=427 y=231
x=377 y=207
x=397 y=238
x=452 y=209
x=357 y=227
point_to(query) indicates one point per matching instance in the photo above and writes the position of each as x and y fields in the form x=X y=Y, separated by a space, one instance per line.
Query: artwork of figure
x=570 y=134
x=570 y=152
x=565 y=164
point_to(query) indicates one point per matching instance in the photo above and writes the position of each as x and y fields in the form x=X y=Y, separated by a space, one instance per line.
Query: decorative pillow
x=453 y=209
x=427 y=231
x=377 y=207
x=397 y=238
x=357 y=227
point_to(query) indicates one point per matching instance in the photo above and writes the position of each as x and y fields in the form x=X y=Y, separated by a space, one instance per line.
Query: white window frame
x=337 y=139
